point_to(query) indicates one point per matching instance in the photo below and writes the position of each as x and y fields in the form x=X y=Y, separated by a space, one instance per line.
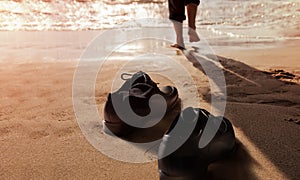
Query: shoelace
x=126 y=74
x=130 y=76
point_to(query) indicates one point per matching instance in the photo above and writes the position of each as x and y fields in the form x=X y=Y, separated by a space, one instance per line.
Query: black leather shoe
x=186 y=161
x=134 y=96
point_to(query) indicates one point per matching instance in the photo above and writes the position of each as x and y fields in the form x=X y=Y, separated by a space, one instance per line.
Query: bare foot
x=193 y=36
x=177 y=46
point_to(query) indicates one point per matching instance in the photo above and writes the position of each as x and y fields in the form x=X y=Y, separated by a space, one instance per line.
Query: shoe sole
x=118 y=129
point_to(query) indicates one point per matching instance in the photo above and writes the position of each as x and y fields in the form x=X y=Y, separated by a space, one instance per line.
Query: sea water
x=103 y=14
x=221 y=22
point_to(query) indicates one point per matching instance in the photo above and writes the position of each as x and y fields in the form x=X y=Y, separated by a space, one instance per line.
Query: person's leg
x=179 y=35
x=191 y=7
x=177 y=16
x=191 y=12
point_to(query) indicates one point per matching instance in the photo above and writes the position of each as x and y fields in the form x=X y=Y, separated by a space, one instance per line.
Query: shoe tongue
x=138 y=79
x=140 y=90
x=141 y=77
x=139 y=96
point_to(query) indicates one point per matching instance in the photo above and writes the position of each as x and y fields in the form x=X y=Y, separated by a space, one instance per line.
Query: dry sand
x=40 y=137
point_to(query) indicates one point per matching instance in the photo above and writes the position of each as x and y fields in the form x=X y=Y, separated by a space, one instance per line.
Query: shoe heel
x=116 y=129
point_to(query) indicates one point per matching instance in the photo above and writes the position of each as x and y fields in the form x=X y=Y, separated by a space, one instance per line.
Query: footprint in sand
x=10 y=129
x=294 y=120
x=4 y=116
x=4 y=131
x=62 y=115
x=63 y=132
x=38 y=134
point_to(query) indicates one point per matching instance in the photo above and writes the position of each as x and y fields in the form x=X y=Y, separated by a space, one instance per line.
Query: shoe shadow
x=237 y=166
x=265 y=109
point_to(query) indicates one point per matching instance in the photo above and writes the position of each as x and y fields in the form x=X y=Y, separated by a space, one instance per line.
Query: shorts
x=177 y=9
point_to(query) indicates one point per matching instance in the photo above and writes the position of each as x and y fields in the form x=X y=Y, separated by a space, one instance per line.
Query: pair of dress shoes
x=133 y=107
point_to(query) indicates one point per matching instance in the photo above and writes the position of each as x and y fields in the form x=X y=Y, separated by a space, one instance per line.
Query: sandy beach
x=40 y=136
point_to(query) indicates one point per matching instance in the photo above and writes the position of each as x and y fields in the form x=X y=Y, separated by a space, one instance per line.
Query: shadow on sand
x=265 y=109
x=237 y=166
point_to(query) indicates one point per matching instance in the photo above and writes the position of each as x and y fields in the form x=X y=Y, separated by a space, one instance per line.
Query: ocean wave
x=218 y=15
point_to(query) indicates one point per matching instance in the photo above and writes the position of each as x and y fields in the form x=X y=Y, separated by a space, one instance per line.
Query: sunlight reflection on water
x=222 y=18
